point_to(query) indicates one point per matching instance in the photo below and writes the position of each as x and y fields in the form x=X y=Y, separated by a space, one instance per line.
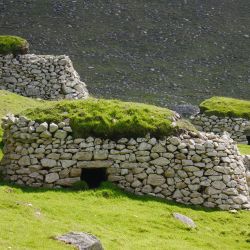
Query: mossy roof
x=12 y=45
x=224 y=106
x=107 y=118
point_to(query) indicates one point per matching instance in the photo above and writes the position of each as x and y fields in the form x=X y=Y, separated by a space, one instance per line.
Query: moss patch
x=223 y=106
x=107 y=118
x=13 y=45
x=244 y=149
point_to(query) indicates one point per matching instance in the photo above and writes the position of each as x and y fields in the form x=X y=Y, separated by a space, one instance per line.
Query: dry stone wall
x=41 y=76
x=203 y=169
x=238 y=128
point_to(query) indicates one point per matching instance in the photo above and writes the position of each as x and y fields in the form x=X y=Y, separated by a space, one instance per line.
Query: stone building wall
x=238 y=128
x=203 y=169
x=41 y=76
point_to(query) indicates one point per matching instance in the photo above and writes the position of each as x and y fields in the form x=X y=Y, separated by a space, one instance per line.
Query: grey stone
x=191 y=169
x=60 y=134
x=218 y=185
x=171 y=148
x=197 y=201
x=187 y=163
x=68 y=163
x=94 y=164
x=100 y=154
x=48 y=163
x=67 y=182
x=155 y=180
x=83 y=156
x=158 y=148
x=169 y=172
x=53 y=127
x=52 y=177
x=161 y=161
x=147 y=189
x=144 y=146
x=42 y=127
x=75 y=172
x=186 y=220
x=175 y=141
x=24 y=161
x=83 y=241
x=45 y=134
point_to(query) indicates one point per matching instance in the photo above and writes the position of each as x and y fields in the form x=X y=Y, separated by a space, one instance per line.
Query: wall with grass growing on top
x=219 y=114
x=189 y=167
x=39 y=76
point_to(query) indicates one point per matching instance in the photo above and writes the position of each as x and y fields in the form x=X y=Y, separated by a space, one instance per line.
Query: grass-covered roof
x=107 y=118
x=224 y=106
x=13 y=45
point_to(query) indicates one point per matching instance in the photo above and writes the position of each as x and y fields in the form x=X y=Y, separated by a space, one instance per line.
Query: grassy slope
x=222 y=106
x=121 y=221
x=244 y=149
x=161 y=51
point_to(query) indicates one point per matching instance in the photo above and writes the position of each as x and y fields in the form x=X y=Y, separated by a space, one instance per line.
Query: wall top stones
x=238 y=128
x=202 y=169
x=41 y=76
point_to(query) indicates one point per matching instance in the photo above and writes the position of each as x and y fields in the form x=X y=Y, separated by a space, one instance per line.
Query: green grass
x=107 y=118
x=13 y=103
x=31 y=218
x=223 y=106
x=13 y=45
x=244 y=149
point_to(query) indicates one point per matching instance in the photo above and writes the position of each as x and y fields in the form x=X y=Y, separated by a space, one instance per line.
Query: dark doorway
x=248 y=139
x=94 y=176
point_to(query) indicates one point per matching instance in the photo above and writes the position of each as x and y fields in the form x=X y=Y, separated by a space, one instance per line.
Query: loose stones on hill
x=83 y=241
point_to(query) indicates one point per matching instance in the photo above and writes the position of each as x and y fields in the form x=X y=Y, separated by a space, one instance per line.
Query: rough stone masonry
x=192 y=168
x=238 y=128
x=41 y=76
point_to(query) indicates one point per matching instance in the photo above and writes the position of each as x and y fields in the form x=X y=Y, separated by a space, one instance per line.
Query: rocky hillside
x=163 y=52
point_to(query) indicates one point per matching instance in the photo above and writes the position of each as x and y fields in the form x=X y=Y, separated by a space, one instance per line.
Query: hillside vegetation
x=161 y=51
x=31 y=218
x=222 y=106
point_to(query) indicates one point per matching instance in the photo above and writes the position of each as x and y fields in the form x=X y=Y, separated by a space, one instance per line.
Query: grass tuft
x=224 y=106
x=13 y=45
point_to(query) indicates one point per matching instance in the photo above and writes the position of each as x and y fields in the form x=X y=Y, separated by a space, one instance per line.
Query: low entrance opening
x=248 y=139
x=94 y=176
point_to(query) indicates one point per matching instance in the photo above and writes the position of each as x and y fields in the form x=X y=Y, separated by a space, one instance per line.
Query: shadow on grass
x=110 y=191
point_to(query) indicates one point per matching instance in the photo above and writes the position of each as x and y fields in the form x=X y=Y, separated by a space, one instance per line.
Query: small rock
x=60 y=134
x=83 y=241
x=186 y=220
